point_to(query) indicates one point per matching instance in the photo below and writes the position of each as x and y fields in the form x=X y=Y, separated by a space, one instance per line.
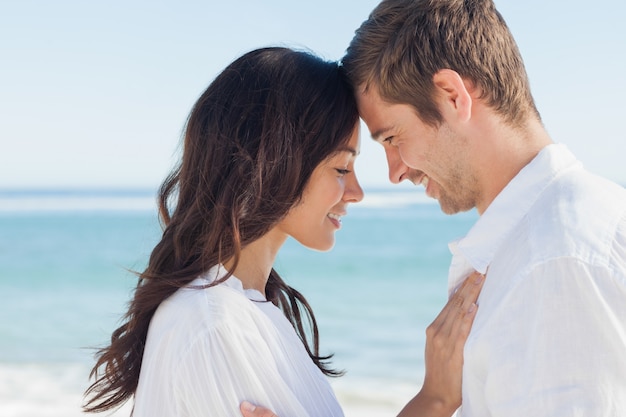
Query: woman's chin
x=319 y=246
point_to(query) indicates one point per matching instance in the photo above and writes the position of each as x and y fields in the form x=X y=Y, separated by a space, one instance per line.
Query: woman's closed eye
x=342 y=171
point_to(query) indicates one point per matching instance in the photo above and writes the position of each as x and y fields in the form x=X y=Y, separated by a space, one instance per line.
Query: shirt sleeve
x=559 y=344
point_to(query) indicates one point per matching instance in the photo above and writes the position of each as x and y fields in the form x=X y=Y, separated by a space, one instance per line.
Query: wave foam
x=95 y=201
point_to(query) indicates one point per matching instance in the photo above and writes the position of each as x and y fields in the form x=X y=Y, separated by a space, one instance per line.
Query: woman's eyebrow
x=348 y=149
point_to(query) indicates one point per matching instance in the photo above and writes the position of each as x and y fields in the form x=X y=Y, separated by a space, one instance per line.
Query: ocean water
x=66 y=262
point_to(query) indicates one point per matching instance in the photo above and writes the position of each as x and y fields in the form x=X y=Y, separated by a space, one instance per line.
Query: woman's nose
x=353 y=192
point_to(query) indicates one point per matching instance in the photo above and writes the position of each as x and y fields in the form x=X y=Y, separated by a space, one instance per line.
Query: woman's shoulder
x=204 y=307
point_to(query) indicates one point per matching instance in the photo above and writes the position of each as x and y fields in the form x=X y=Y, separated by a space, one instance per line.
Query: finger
x=467 y=306
x=461 y=301
x=470 y=291
x=251 y=410
x=458 y=314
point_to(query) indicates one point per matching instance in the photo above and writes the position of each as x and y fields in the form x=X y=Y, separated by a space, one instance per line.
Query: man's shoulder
x=578 y=192
x=577 y=214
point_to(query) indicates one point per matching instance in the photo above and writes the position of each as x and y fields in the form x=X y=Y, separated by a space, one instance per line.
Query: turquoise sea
x=66 y=262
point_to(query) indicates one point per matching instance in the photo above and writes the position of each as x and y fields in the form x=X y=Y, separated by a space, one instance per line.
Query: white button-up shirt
x=549 y=338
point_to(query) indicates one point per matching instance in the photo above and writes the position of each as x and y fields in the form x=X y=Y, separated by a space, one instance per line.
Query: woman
x=269 y=152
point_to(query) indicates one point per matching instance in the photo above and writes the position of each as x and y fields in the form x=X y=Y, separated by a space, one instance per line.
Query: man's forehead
x=368 y=91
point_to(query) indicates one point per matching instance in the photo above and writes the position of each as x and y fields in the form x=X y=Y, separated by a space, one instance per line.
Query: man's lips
x=419 y=178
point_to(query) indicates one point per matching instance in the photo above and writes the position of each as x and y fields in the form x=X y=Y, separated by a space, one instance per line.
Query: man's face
x=435 y=157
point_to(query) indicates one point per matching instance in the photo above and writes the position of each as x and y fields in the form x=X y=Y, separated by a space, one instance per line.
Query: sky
x=95 y=94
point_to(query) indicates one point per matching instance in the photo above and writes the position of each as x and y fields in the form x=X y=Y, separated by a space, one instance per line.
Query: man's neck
x=502 y=154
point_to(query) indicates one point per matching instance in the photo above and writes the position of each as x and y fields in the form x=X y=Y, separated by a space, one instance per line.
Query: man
x=442 y=86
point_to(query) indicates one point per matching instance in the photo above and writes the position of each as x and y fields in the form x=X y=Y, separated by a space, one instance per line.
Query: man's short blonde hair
x=403 y=43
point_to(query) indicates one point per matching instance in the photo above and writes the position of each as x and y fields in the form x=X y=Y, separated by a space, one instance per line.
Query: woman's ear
x=455 y=99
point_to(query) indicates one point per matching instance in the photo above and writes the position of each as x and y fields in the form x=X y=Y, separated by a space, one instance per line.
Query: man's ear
x=453 y=94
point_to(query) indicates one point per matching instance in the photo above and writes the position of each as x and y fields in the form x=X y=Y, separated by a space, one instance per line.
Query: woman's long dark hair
x=251 y=143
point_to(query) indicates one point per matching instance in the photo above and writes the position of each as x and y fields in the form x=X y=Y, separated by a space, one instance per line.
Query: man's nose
x=397 y=168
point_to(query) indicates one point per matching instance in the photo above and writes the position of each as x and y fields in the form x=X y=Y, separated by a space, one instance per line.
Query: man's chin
x=449 y=207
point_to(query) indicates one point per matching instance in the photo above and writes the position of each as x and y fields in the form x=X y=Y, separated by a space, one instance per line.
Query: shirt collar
x=477 y=249
x=219 y=271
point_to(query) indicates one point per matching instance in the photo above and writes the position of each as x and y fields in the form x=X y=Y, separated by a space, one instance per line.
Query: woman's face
x=332 y=186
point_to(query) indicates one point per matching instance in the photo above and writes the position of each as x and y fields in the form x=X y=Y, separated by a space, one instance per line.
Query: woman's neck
x=256 y=261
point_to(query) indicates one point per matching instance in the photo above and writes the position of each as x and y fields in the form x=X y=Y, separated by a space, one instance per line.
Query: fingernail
x=479 y=278
x=248 y=406
x=472 y=308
